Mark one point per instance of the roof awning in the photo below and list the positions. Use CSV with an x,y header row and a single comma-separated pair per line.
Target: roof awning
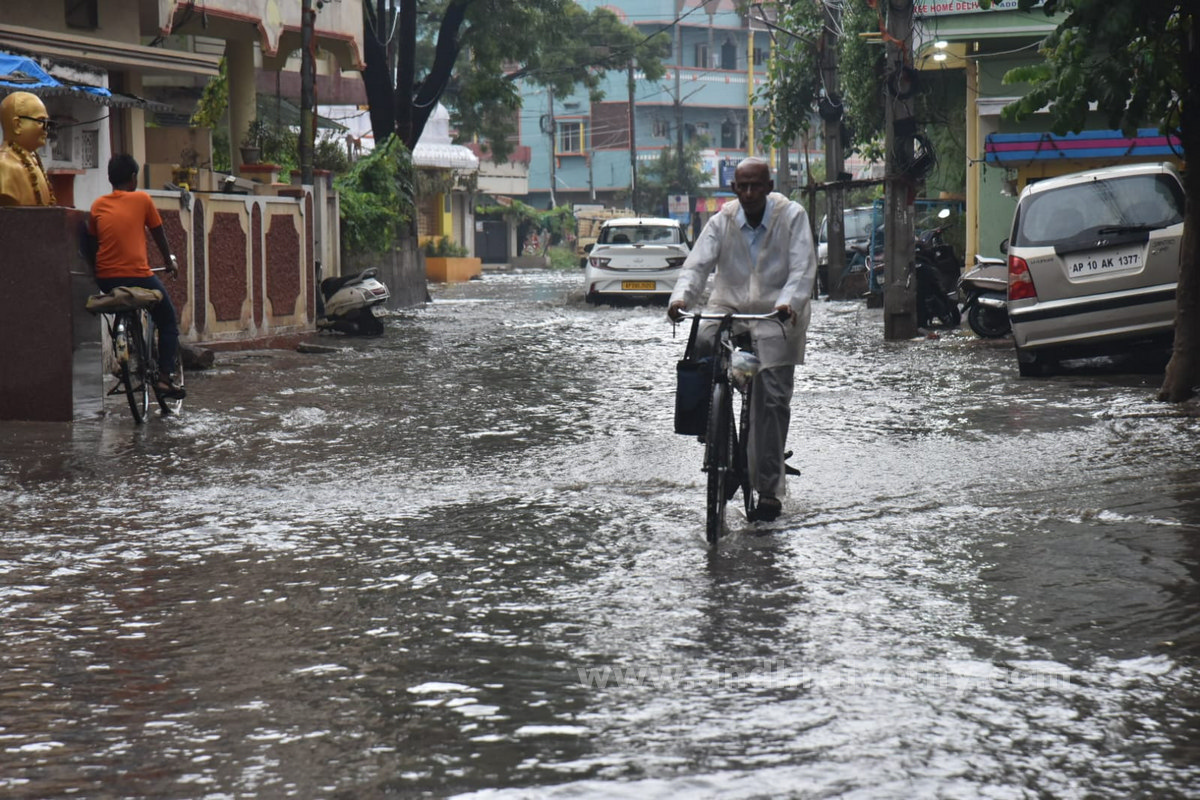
x,y
106,53
285,113
1014,149
444,156
21,74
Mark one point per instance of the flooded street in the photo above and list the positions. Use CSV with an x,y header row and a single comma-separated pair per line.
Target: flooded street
x,y
468,559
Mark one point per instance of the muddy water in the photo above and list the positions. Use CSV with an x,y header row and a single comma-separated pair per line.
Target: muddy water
x,y
467,558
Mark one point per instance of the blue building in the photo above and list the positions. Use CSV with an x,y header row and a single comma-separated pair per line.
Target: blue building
x,y
718,61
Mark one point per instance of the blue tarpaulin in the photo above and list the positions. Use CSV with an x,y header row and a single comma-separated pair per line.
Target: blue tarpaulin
x,y
21,74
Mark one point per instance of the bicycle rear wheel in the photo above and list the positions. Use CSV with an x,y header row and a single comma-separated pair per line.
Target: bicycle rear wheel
x,y
718,459
168,405
135,368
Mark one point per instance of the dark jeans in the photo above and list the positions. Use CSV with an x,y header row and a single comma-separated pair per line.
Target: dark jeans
x,y
163,315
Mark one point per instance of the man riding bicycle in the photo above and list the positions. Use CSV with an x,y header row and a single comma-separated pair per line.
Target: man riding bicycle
x,y
762,249
117,225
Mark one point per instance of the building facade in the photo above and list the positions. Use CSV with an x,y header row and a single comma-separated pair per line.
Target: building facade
x,y
980,47
717,63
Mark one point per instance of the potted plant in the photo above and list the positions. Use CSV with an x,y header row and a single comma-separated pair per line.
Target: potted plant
x,y
252,141
447,261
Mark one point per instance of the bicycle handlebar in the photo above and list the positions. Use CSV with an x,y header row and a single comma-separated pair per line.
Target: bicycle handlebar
x,y
769,316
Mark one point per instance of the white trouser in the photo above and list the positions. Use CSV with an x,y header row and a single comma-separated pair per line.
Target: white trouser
x,y
770,414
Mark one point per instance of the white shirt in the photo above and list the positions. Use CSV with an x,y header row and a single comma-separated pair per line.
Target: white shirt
x,y
757,270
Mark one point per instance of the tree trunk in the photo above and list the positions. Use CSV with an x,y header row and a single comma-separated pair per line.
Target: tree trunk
x,y
406,71
377,77
1183,371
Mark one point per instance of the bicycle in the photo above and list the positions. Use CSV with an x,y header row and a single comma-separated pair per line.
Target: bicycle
x,y
725,440
134,349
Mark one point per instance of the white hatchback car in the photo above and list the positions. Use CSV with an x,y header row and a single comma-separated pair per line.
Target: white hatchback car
x,y
635,258
1093,259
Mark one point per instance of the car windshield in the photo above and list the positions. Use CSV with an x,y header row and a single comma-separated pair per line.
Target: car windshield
x,y
640,234
858,223
1150,201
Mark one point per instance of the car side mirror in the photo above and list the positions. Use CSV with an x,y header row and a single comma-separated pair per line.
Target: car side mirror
x,y
587,248
1004,246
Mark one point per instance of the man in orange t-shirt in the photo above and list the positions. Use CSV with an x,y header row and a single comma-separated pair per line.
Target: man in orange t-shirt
x,y
118,225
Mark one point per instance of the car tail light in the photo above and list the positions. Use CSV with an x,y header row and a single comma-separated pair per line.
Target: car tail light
x,y
1020,282
599,262
676,261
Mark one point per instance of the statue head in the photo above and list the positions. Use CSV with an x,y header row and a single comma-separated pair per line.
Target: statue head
x,y
24,120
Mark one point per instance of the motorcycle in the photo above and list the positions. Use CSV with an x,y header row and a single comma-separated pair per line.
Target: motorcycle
x,y
937,267
353,304
984,289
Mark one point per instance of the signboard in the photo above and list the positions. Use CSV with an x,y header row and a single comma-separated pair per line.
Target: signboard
x,y
727,170
933,8
678,207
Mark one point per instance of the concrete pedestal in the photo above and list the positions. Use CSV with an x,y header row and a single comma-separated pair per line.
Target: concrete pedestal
x,y
50,357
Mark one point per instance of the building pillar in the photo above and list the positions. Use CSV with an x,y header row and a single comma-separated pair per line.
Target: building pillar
x,y
243,108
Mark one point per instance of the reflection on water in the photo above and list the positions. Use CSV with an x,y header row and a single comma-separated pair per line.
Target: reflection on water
x,y
467,558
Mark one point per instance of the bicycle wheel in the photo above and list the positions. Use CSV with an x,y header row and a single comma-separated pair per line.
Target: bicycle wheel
x,y
135,368
168,405
718,459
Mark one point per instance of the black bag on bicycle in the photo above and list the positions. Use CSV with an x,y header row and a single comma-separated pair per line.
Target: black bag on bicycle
x,y
693,387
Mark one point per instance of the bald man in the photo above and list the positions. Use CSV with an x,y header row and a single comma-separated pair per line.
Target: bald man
x,y
23,180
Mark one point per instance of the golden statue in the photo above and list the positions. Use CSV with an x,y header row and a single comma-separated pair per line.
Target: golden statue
x,y
23,180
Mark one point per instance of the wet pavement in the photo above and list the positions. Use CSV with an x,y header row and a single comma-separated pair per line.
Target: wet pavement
x,y
467,559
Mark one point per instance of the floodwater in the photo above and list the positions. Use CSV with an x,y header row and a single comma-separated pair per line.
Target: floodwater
x,y
467,559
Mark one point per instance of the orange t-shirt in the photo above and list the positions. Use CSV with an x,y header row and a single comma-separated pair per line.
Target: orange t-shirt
x,y
119,221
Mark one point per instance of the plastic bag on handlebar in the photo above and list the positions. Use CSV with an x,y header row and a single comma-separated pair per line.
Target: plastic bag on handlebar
x,y
123,298
693,386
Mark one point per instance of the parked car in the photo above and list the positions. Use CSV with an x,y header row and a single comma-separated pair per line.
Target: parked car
x,y
856,227
635,258
1093,259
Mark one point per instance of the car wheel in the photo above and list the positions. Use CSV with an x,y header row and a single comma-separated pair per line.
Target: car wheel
x,y
591,298
1036,364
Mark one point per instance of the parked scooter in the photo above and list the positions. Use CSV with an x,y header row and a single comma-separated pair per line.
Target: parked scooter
x,y
938,269
353,304
984,290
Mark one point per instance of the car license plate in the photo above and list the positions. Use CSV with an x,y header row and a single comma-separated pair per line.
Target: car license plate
x,y
379,310
1119,260
638,286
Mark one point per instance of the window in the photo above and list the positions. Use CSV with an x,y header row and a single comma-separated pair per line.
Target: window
x,y
729,55
760,56
570,136
729,131
83,14
661,129
702,59
89,149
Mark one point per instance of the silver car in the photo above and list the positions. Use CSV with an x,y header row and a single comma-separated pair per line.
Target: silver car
x,y
635,258
1093,260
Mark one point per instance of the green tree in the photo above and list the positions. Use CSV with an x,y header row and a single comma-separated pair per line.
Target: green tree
x,y
666,175
1138,62
793,84
376,198
474,53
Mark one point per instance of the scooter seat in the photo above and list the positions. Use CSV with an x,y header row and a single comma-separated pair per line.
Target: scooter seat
x,y
330,285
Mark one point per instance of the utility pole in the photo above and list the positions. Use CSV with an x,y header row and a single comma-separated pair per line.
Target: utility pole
x,y
899,290
553,131
831,113
308,100
632,144
679,165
